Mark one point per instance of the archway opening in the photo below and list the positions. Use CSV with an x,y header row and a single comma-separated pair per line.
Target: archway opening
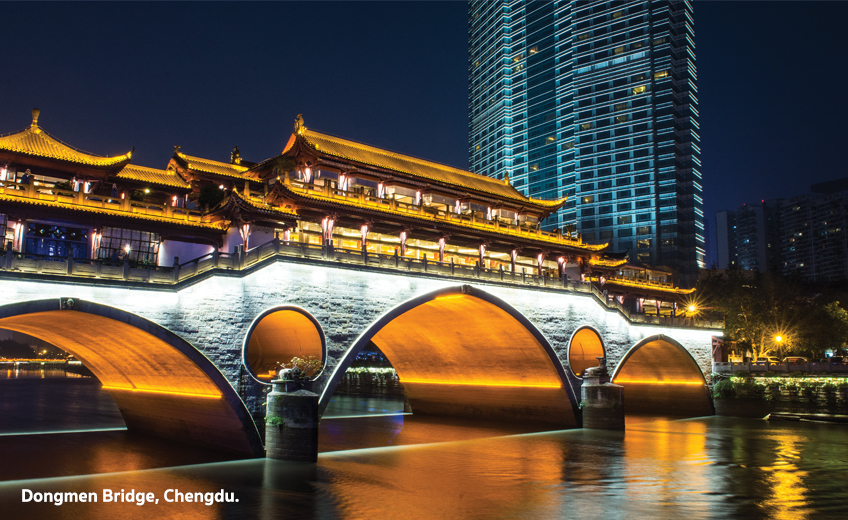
x,y
277,336
659,376
162,385
464,353
585,347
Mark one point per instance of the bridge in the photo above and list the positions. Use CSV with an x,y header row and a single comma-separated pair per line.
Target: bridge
x,y
183,349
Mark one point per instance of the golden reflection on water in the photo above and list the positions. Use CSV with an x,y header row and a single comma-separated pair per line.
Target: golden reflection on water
x,y
468,479
665,459
788,492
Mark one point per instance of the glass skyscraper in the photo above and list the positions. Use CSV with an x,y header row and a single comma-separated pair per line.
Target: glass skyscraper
x,y
596,101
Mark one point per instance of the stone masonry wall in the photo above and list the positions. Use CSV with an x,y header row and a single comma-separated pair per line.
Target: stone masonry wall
x,y
215,314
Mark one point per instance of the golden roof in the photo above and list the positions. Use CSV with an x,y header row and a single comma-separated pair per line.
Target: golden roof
x,y
362,153
382,208
153,176
215,167
607,262
35,141
648,284
218,226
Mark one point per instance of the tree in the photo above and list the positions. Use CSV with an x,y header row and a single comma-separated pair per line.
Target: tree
x,y
210,195
11,349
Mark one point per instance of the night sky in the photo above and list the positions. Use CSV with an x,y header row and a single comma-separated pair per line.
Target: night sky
x,y
208,77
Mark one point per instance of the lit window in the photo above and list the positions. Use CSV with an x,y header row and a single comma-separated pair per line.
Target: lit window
x,y
659,41
617,14
639,90
534,167
582,36
588,199
477,148
518,58
518,68
534,49
551,138
661,74
622,119
620,106
586,126
619,50
569,145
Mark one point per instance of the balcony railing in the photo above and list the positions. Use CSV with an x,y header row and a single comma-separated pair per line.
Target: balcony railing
x,y
766,367
43,192
242,260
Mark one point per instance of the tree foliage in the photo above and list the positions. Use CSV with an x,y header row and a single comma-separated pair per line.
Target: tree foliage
x,y
759,307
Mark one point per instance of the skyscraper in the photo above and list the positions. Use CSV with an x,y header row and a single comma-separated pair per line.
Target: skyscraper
x,y
595,101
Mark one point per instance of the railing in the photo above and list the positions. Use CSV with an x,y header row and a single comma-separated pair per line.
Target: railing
x,y
469,219
766,367
49,193
242,260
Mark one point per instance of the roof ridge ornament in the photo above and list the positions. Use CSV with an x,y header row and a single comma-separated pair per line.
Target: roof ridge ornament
x,y
35,113
299,125
506,178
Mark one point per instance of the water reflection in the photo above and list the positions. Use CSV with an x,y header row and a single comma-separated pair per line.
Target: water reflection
x,y
411,467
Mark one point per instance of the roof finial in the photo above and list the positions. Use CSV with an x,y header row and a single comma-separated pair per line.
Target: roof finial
x,y
299,126
235,156
506,178
35,113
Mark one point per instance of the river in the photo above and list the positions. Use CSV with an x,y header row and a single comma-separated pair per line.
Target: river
x,y
390,465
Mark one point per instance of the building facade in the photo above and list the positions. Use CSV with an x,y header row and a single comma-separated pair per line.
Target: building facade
x,y
803,235
597,102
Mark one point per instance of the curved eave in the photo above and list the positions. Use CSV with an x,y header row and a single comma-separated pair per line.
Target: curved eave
x,y
196,164
607,263
541,242
541,205
112,213
35,142
144,175
650,288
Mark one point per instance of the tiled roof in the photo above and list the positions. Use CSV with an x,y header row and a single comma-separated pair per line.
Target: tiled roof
x,y
36,142
353,151
215,167
153,176
218,226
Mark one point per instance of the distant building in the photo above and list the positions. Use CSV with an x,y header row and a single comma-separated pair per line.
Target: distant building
x,y
802,235
726,239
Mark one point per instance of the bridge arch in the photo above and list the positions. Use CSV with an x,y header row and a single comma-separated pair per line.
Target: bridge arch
x,y
584,347
277,335
464,352
660,376
162,384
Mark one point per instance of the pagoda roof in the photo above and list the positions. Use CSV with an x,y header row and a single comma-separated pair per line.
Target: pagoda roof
x,y
345,149
144,174
547,239
214,167
34,141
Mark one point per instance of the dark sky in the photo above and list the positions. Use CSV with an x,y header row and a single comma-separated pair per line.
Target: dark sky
x,y
108,77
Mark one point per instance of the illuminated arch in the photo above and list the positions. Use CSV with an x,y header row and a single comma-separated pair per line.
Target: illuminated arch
x,y
584,348
461,351
659,376
162,384
278,335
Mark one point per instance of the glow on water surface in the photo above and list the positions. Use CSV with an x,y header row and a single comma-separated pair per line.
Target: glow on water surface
x,y
660,468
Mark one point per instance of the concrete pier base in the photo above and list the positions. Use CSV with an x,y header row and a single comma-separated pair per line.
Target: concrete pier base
x,y
603,404
291,423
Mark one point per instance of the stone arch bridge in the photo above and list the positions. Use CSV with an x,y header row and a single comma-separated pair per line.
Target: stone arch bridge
x,y
172,355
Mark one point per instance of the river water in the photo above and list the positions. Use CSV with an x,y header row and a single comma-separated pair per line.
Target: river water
x,y
378,463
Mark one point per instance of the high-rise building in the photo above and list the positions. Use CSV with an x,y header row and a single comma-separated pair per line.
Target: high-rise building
x,y
726,239
595,101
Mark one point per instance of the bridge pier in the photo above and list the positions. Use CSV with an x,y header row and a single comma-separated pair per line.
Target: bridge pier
x,y
291,424
602,403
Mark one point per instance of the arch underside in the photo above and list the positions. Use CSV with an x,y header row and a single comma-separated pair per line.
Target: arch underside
x,y
661,377
277,338
584,349
162,385
460,355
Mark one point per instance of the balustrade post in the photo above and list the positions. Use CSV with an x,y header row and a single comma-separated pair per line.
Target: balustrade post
x,y
10,255
477,268
216,257
425,263
276,244
364,254
501,270
126,271
452,266
397,259
69,269
176,272
524,275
